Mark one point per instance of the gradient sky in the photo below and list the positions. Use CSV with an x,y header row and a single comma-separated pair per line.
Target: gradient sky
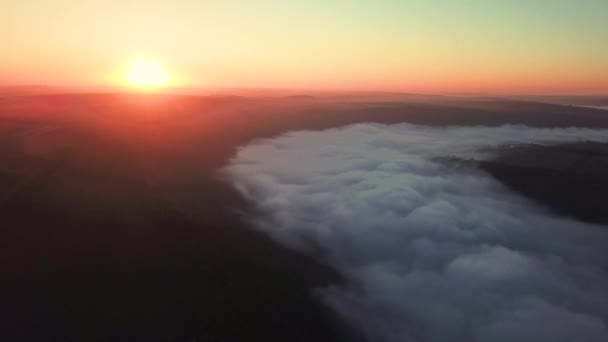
x,y
512,46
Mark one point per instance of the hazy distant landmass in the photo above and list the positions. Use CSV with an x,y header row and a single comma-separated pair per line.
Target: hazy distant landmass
x,y
591,101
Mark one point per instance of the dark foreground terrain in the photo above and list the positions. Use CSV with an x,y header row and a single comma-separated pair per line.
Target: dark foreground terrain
x,y
570,178
116,223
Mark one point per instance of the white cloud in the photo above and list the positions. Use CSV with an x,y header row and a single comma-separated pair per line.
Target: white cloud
x,y
431,251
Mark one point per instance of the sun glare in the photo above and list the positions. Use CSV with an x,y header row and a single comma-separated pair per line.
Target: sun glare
x,y
147,74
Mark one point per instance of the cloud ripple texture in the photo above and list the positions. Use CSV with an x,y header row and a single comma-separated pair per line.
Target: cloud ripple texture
x,y
429,250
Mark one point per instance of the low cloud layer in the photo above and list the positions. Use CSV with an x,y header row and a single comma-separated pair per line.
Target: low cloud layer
x,y
431,251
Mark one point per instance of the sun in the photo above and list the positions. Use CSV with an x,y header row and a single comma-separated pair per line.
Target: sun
x,y
147,74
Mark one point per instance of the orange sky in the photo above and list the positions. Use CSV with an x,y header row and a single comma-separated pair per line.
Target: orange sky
x,y
516,46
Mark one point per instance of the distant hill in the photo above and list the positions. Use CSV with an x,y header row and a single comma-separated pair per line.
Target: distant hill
x,y
26,90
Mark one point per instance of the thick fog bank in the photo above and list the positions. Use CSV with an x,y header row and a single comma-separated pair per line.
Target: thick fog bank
x,y
431,250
